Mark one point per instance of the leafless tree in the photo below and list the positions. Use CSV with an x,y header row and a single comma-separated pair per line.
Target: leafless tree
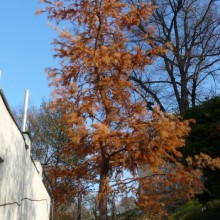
x,y
188,72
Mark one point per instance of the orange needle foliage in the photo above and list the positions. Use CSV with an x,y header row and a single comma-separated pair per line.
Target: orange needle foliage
x,y
109,129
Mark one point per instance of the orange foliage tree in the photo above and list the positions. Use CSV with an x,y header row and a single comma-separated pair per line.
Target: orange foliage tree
x,y
106,120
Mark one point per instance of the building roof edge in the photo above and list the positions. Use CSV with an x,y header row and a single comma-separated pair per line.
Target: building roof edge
x,y
9,109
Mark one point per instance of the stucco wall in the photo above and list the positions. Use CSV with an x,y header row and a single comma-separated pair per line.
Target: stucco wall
x,y
22,193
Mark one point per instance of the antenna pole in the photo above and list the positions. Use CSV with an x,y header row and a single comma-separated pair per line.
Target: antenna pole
x,y
25,111
0,74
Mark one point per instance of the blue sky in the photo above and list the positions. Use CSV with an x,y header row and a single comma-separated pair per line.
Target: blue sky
x,y
25,51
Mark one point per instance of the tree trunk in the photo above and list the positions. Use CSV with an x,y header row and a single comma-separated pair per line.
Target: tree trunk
x,y
194,92
103,189
103,200
184,94
79,207
113,209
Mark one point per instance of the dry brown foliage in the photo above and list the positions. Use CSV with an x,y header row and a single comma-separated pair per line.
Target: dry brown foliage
x,y
109,127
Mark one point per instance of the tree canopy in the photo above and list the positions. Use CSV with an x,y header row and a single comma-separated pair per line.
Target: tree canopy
x,y
124,148
189,71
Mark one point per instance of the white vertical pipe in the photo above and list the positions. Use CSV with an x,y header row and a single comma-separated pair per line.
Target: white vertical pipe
x,y
25,111
0,76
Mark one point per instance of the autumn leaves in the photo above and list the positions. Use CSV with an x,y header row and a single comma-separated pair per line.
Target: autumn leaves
x,y
105,118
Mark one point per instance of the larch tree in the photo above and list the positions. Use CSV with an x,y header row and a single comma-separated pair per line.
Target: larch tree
x,y
107,123
189,71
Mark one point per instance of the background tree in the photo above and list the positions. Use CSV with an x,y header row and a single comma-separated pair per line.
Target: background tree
x,y
49,142
106,123
189,71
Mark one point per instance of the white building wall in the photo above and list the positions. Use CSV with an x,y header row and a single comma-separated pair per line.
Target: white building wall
x,y
22,193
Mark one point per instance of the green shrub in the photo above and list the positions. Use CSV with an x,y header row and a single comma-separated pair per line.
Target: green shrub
x,y
188,208
193,210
